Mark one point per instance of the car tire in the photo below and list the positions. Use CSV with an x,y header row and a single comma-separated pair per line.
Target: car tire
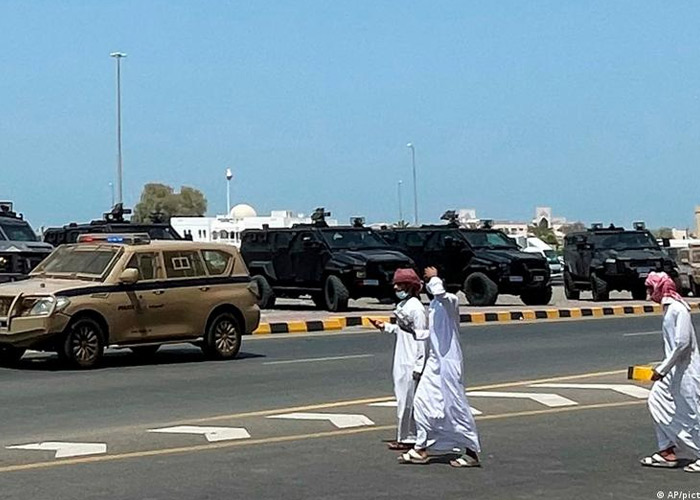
x,y
480,290
10,356
537,297
267,295
83,344
336,294
599,287
639,293
145,351
222,339
570,290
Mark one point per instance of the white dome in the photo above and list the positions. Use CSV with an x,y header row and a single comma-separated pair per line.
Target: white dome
x,y
241,211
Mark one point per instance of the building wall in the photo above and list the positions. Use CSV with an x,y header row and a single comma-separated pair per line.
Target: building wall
x,y
697,221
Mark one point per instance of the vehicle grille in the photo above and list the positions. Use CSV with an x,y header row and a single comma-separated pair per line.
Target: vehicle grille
x,y
529,270
5,303
384,272
22,263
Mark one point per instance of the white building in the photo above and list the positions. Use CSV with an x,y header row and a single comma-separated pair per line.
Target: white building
x,y
228,228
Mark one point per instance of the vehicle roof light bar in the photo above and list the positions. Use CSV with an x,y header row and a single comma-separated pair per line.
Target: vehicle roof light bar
x,y
120,239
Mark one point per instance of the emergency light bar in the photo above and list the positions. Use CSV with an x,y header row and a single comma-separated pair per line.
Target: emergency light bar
x,y
124,239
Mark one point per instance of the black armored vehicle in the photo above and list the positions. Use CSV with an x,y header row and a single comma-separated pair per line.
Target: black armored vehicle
x,y
604,259
483,263
331,264
112,222
20,249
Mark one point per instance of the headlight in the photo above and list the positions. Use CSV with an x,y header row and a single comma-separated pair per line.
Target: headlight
x,y
361,274
42,306
610,261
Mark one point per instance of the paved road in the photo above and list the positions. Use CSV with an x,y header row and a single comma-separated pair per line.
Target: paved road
x,y
301,309
585,448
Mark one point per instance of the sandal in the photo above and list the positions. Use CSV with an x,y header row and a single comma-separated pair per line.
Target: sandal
x,y
413,457
694,467
657,460
398,446
465,461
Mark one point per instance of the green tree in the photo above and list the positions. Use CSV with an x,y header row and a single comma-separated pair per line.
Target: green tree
x,y
545,233
160,198
663,232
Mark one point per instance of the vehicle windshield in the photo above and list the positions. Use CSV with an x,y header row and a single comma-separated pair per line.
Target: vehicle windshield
x,y
17,231
695,256
489,239
633,240
352,239
72,261
551,256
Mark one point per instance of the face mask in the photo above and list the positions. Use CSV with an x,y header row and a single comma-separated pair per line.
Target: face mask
x,y
402,294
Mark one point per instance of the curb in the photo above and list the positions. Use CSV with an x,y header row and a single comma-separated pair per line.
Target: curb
x,y
341,323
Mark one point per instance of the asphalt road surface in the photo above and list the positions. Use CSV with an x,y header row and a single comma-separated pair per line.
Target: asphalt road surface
x,y
305,416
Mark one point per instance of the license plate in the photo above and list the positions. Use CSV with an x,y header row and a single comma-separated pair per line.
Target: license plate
x,y
370,282
643,271
539,278
643,275
516,279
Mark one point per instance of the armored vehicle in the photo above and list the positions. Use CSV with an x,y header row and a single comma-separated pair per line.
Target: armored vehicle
x,y
604,259
483,263
112,222
331,264
20,249
688,261
129,291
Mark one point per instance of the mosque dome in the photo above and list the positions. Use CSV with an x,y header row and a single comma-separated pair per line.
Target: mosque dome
x,y
242,211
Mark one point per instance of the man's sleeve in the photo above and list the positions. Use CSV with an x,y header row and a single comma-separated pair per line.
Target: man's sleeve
x,y
420,322
682,331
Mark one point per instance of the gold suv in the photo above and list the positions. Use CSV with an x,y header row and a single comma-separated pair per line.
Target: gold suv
x,y
128,291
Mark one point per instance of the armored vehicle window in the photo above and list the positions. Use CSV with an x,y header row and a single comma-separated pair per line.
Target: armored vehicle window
x,y
78,260
413,238
283,239
183,264
340,239
17,231
695,256
216,261
489,239
146,263
636,240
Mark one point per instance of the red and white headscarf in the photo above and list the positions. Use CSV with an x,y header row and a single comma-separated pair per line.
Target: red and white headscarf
x,y
661,286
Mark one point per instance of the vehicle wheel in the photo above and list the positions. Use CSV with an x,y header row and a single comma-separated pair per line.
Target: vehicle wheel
x,y
480,290
336,294
570,289
83,344
537,297
145,351
10,356
222,339
267,296
639,293
599,287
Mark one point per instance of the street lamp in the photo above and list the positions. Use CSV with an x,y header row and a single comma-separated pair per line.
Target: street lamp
x,y
111,188
229,176
415,185
400,204
120,191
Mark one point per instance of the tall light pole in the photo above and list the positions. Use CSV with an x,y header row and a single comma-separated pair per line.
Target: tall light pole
x,y
120,190
400,203
111,188
229,176
415,184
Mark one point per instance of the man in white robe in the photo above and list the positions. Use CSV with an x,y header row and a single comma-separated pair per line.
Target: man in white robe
x,y
444,419
409,354
674,399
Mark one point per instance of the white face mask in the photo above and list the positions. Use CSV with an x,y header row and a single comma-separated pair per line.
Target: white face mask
x,y
402,294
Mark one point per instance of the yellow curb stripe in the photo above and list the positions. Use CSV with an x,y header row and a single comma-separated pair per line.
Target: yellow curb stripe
x,y
333,324
478,317
504,316
263,329
529,315
597,312
552,314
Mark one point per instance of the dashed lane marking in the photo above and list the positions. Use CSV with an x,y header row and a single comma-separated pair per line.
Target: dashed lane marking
x,y
394,404
627,389
546,399
312,360
340,420
212,434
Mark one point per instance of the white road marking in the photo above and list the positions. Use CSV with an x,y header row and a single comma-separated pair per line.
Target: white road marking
x,y
394,404
212,434
340,420
546,399
627,389
311,360
640,334
64,450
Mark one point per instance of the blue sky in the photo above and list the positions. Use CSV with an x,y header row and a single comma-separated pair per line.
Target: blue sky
x,y
591,107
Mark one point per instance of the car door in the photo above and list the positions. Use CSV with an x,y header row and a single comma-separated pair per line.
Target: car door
x,y
307,252
138,304
186,278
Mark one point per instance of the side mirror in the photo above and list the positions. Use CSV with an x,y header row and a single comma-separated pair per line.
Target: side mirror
x,y
129,276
